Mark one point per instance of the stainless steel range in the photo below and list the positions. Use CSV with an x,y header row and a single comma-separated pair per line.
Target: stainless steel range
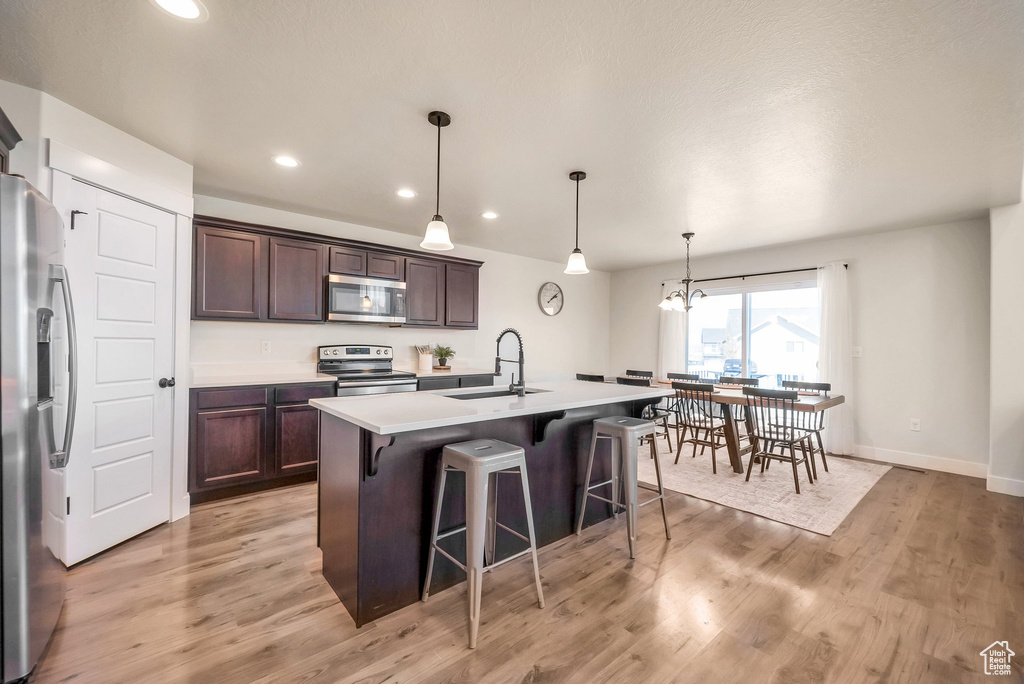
x,y
364,369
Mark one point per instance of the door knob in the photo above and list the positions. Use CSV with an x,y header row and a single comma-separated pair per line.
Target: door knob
x,y
166,382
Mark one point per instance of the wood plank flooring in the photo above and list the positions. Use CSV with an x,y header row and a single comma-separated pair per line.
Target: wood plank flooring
x,y
925,573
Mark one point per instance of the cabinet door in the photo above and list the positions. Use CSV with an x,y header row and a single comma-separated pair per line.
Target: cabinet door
x,y
296,280
345,261
424,294
229,447
476,381
462,284
428,384
228,275
387,266
298,438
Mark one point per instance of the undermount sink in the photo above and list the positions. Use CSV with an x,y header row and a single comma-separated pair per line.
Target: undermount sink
x,y
490,394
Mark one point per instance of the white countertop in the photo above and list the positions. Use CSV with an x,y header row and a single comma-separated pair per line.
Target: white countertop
x,y
388,414
261,379
455,371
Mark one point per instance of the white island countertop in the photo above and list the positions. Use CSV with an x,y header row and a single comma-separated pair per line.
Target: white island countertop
x,y
388,414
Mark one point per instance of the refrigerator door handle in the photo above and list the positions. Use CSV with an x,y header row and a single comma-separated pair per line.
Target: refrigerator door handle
x,y
59,273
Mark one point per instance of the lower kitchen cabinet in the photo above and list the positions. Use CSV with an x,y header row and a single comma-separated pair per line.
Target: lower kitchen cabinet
x,y
244,439
453,382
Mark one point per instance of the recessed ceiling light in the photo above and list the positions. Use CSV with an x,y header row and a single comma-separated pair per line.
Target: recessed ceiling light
x,y
406,192
489,215
189,10
283,160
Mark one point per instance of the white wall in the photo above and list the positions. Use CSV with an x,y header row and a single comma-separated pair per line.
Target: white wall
x,y
39,116
1006,429
920,300
556,347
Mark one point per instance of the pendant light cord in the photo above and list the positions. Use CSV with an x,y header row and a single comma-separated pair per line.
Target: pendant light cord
x,y
577,213
437,192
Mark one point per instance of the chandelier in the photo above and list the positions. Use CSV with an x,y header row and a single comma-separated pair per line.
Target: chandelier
x,y
681,299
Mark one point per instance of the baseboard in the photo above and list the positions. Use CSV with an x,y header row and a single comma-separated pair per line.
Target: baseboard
x,y
905,458
1005,485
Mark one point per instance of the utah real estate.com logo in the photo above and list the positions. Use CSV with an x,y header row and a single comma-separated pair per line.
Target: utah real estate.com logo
x,y
997,658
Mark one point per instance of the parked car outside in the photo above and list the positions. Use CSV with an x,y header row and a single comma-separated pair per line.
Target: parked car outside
x,y
734,367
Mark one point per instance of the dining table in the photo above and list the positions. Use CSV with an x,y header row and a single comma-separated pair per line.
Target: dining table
x,y
732,395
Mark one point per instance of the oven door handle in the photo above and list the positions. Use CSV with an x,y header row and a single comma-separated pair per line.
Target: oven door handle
x,y
372,383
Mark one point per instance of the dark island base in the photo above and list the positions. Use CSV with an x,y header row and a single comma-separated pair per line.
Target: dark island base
x,y
376,496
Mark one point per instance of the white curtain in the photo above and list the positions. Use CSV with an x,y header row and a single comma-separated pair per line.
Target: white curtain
x,y
835,355
671,337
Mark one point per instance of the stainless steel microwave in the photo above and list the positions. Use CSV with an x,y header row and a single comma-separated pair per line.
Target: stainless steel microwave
x,y
365,300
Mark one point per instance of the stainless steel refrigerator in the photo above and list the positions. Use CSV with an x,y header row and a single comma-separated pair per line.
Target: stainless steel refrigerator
x,y
37,403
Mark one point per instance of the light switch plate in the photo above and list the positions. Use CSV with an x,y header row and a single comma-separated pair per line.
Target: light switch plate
x,y
858,352
915,424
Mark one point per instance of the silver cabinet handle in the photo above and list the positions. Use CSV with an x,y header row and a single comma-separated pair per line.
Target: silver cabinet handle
x,y
60,458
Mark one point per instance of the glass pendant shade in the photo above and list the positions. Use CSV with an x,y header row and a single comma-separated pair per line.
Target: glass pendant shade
x,y
577,263
678,303
666,304
436,238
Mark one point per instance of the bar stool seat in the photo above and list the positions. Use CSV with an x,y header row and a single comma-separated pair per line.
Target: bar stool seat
x,y
625,434
482,460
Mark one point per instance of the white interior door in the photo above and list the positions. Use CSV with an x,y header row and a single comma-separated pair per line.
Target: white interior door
x,y
120,261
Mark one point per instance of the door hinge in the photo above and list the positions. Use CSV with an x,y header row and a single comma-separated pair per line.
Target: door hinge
x,y
69,505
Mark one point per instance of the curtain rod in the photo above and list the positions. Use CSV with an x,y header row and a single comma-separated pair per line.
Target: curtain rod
x,y
752,275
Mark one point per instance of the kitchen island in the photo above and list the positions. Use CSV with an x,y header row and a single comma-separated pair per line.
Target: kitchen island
x,y
379,468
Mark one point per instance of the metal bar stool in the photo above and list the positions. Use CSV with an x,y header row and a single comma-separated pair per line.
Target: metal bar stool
x,y
625,435
482,460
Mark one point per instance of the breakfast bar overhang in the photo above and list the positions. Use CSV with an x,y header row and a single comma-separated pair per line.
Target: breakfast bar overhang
x,y
379,469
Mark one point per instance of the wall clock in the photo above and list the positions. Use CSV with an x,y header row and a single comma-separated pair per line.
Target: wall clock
x,y
550,299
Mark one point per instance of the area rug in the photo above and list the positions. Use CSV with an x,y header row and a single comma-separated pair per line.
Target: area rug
x,y
820,507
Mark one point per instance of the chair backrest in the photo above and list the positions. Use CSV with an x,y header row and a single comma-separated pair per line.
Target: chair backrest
x,y
639,374
589,378
819,387
636,382
696,407
688,377
736,380
771,415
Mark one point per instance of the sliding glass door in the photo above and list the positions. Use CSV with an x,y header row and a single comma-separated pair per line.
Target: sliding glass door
x,y
769,334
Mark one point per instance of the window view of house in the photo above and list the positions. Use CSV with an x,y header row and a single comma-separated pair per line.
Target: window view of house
x,y
779,342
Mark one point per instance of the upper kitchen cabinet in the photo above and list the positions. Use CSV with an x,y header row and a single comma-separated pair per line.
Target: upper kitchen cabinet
x,y
296,280
229,275
249,272
345,261
424,294
462,287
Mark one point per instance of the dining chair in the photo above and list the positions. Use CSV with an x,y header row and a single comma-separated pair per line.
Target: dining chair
x,y
736,380
585,377
697,414
659,415
738,413
673,403
684,377
813,422
773,425
639,374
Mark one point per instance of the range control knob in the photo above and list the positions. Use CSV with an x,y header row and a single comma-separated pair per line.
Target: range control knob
x,y
334,351
378,352
386,352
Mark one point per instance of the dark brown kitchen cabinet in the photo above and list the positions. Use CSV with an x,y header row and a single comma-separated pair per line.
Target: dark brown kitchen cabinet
x,y
345,261
424,294
229,278
230,446
298,438
461,286
243,439
385,266
296,280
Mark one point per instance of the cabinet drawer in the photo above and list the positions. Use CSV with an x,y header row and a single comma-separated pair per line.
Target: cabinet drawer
x,y
386,266
227,398
476,381
300,394
345,261
426,384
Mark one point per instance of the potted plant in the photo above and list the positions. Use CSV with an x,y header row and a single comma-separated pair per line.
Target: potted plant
x,y
443,354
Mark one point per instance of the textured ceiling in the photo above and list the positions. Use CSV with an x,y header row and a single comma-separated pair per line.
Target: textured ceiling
x,y
749,123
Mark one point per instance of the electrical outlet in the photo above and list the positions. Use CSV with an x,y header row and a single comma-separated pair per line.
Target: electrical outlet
x,y
266,346
858,352
915,424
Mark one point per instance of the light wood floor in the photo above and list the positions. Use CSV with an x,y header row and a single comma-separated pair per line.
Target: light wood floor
x,y
927,571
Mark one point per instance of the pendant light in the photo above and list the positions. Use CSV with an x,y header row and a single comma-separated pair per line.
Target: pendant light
x,y
436,237
681,299
577,263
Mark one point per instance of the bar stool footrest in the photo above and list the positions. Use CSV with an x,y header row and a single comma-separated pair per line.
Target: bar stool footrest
x,y
511,531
